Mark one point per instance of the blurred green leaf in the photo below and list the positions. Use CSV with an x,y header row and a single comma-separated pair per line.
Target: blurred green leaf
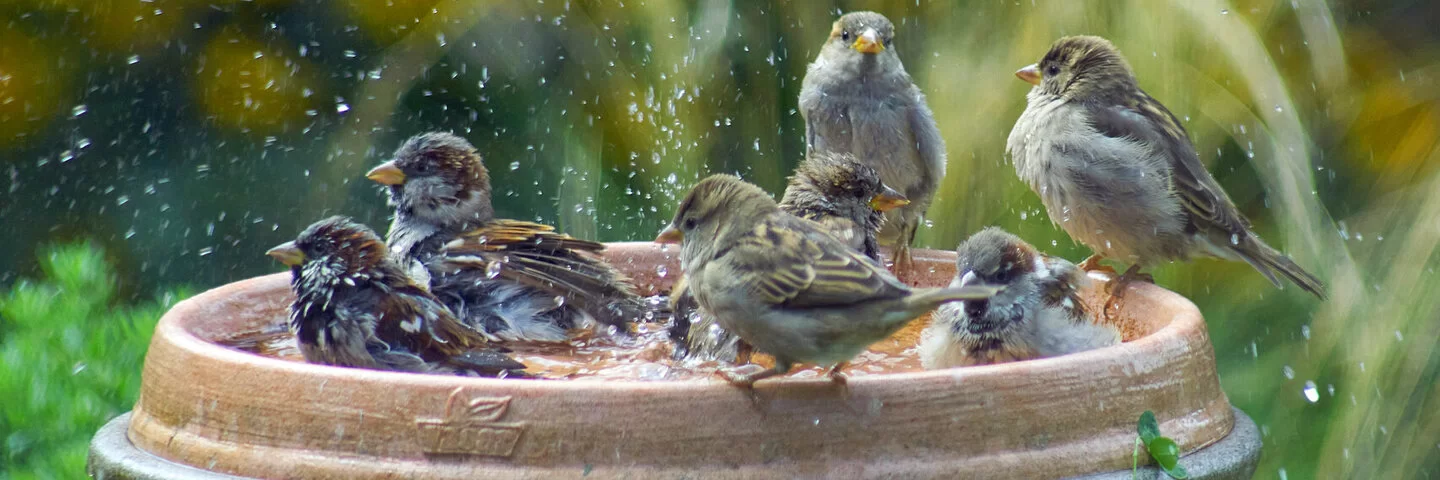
x,y
76,358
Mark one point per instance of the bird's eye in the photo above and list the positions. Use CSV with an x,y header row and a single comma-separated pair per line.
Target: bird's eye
x,y
845,35
689,224
889,41
1052,70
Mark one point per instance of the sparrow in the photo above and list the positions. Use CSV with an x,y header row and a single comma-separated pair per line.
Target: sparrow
x,y
837,191
513,279
355,307
1116,170
1039,314
785,285
857,98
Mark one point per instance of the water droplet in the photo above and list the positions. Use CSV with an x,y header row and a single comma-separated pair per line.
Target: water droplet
x,y
1311,393
1305,331
559,300
1289,372
79,110
514,166
492,270
134,59
1278,109
1226,11
661,270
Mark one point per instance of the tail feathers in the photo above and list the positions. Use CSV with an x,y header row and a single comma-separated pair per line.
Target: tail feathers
x,y
928,299
1269,262
488,363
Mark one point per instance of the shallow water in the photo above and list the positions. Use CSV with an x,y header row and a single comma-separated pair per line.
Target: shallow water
x,y
645,354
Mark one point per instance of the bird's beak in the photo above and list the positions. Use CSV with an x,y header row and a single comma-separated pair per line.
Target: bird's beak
x,y
888,199
869,42
386,174
1030,74
670,235
287,253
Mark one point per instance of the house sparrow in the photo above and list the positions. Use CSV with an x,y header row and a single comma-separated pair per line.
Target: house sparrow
x,y
835,190
1118,173
786,286
355,307
846,196
858,99
513,279
1038,315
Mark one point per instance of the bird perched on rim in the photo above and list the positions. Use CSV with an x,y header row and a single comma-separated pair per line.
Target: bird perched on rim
x,y
1116,170
516,280
355,307
836,190
786,286
858,99
1039,314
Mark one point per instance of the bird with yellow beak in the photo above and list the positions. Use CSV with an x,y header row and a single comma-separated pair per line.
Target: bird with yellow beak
x,y
858,100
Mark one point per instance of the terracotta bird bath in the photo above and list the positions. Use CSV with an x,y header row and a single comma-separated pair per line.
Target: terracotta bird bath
x,y
209,411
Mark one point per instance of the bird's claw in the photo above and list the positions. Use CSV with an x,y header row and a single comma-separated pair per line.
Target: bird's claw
x,y
1092,264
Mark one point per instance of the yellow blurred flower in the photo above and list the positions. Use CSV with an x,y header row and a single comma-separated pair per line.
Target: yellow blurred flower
x,y
244,85
386,21
32,87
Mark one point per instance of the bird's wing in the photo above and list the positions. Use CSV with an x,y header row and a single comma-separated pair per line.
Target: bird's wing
x,y
534,254
928,141
789,261
411,319
1063,284
1146,120
844,230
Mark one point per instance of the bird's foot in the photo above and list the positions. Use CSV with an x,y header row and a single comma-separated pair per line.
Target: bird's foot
x,y
746,380
901,263
838,376
1092,264
839,379
1118,285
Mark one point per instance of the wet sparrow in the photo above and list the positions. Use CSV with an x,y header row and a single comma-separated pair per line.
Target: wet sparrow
x,y
786,286
1116,170
355,307
513,279
858,99
1037,315
835,190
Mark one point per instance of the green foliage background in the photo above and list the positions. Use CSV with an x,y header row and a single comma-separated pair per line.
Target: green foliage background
x,y
73,355
185,137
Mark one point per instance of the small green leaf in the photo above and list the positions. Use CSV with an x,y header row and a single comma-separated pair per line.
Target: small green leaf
x,y
1149,428
1178,473
1164,451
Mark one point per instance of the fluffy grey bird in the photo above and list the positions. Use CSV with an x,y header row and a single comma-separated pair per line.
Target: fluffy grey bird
x,y
1116,170
786,286
837,191
858,99
354,307
513,279
1037,315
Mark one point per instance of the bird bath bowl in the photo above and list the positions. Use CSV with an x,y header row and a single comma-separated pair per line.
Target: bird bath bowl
x,y
208,411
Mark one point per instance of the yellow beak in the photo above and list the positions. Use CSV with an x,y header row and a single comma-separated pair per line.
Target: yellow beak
x,y
287,253
869,42
386,174
670,235
1030,74
887,200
